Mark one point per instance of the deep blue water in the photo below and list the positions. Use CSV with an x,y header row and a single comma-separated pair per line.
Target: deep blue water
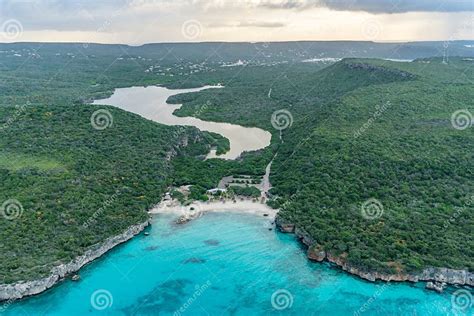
x,y
225,264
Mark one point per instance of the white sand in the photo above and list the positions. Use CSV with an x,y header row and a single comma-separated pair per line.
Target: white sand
x,y
246,206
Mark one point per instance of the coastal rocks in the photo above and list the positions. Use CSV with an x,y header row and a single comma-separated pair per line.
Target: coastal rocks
x,y
439,277
304,237
461,277
316,253
22,289
27,288
190,213
283,226
183,219
436,286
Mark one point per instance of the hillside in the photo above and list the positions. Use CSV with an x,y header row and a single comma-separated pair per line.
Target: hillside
x,y
362,129
367,129
68,185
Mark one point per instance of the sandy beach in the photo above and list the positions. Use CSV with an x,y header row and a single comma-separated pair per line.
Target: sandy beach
x,y
245,206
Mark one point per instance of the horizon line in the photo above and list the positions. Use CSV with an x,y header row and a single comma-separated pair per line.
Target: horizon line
x,y
242,42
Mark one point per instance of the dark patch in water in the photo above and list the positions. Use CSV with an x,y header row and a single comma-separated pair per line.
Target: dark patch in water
x,y
128,255
194,260
151,248
212,242
166,298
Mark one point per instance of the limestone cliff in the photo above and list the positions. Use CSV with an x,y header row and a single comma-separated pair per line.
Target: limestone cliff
x,y
26,288
434,274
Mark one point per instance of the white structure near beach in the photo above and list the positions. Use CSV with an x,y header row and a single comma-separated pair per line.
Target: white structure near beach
x,y
216,190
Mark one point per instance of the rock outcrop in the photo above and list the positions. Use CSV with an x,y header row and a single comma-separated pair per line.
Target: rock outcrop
x,y
438,276
316,253
284,226
26,288
386,70
435,286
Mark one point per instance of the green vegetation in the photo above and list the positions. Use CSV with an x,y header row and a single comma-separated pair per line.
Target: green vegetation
x,y
95,185
78,185
175,194
245,191
220,143
372,129
16,162
197,192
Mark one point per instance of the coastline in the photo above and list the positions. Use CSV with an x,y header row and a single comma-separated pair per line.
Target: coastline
x,y
19,290
441,276
22,289
196,208
15,291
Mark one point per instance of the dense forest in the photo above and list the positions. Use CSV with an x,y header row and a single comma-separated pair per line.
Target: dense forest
x,y
370,130
362,129
77,185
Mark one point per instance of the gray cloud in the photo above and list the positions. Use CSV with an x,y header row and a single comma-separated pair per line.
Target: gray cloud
x,y
260,24
252,23
138,21
374,6
64,15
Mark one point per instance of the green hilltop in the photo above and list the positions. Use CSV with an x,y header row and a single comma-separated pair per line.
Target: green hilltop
x,y
361,129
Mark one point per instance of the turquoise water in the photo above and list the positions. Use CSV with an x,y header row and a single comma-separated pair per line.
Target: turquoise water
x,y
224,264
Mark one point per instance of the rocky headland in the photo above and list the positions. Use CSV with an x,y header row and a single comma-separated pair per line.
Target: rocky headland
x,y
14,291
437,278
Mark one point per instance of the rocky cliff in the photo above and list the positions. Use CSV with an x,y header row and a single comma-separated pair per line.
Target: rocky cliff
x,y
316,253
26,288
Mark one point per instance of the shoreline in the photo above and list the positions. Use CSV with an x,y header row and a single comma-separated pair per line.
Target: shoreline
x,y
197,207
439,276
19,290
22,289
155,105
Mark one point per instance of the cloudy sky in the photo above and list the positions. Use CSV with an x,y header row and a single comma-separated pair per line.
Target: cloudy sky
x,y
143,21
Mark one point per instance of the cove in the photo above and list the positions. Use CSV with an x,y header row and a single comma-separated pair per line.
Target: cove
x,y
224,264
150,103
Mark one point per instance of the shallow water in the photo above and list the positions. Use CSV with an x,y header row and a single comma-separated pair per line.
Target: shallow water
x,y
150,103
224,264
